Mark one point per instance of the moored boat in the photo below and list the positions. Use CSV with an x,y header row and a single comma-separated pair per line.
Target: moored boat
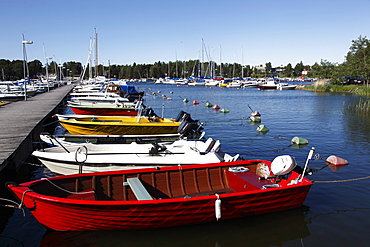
x,y
114,109
145,124
3,103
161,197
269,84
89,157
285,86
67,140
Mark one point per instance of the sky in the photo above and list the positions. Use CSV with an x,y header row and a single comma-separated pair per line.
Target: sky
x,y
249,32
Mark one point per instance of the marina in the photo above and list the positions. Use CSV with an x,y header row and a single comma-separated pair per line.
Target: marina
x,y
338,196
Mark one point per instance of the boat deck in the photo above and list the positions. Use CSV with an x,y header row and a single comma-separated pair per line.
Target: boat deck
x,y
20,119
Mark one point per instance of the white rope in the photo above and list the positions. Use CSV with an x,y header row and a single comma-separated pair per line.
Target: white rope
x,y
13,206
82,192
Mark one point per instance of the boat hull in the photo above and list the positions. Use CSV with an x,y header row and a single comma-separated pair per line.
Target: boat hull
x,y
104,111
123,128
64,214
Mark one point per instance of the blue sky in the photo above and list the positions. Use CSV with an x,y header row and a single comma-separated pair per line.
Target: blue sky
x,y
147,31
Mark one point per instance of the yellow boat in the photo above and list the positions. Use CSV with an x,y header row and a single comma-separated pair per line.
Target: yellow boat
x,y
3,103
104,125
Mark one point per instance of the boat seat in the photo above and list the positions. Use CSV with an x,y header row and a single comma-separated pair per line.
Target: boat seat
x,y
138,188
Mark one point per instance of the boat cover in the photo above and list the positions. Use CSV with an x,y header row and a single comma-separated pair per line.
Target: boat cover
x,y
128,88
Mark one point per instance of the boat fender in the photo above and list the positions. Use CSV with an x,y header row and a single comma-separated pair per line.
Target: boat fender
x,y
218,207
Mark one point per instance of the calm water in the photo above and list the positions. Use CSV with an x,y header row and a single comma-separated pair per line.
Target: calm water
x,y
334,214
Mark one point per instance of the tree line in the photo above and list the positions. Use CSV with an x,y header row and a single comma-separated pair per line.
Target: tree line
x,y
356,65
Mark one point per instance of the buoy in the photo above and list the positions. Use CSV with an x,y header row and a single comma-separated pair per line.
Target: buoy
x,y
216,107
195,102
224,111
299,140
185,100
171,92
163,95
218,207
336,161
159,92
262,128
169,98
208,104
255,118
255,114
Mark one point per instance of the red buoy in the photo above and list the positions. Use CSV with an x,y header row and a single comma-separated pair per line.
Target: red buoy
x,y
195,102
336,161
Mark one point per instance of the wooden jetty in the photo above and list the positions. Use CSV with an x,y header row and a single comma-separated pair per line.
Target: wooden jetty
x,y
21,123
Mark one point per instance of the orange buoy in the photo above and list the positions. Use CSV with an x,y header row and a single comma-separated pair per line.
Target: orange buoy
x,y
169,98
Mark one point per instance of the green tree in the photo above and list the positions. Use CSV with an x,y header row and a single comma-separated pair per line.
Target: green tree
x,y
298,69
358,58
288,70
268,67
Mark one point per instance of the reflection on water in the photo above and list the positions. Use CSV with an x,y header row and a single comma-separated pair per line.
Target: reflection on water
x,y
252,231
318,117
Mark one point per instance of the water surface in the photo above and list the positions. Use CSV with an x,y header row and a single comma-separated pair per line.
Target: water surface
x,y
335,213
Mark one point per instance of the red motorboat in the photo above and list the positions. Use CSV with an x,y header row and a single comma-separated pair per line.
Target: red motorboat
x,y
162,197
104,110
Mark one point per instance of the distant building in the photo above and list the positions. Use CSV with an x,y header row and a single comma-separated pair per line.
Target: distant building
x,y
277,70
304,72
260,69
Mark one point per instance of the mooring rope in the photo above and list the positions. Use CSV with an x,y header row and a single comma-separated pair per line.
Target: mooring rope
x,y
82,192
50,123
344,180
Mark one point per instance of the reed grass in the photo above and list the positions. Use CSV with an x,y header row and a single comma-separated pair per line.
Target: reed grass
x,y
362,108
360,90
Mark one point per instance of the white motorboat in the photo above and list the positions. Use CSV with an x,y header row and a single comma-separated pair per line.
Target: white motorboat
x,y
285,86
109,157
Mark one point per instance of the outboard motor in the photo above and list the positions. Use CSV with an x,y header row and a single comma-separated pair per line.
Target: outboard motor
x,y
189,127
182,116
283,165
149,112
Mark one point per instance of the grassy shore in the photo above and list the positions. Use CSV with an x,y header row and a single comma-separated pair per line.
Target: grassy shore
x,y
360,90
362,107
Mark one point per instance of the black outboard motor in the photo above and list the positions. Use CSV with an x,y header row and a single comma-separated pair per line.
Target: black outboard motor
x,y
188,128
149,112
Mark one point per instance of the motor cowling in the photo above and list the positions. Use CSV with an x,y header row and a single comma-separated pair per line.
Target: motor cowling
x,y
283,164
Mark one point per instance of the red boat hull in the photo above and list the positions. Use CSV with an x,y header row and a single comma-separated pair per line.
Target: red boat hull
x,y
104,111
63,214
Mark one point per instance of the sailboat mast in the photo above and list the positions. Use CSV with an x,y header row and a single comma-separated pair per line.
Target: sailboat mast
x,y
177,71
202,64
220,63
90,59
96,54
242,63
